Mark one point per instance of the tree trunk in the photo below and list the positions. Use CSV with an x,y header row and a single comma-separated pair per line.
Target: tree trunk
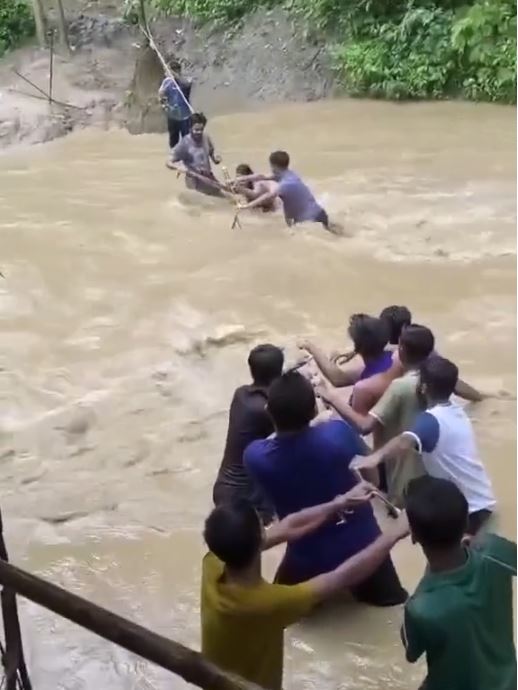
x,y
62,26
40,21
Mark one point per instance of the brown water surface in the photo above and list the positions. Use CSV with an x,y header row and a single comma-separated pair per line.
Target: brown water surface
x,y
127,312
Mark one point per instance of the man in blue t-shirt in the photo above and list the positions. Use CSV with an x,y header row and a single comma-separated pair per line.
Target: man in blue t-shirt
x,y
303,466
175,96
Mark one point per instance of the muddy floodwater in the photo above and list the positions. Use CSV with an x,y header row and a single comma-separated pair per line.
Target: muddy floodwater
x,y
127,311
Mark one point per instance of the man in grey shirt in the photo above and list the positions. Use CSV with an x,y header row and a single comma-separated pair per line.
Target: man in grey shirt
x,y
196,151
298,201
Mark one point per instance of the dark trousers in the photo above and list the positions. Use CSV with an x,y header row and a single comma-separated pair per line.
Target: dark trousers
x,y
177,129
322,218
382,588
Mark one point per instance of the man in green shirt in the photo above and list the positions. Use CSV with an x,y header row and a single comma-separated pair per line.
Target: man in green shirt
x,y
461,614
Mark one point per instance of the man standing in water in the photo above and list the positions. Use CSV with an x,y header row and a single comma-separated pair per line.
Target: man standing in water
x,y
396,410
461,614
303,466
298,202
175,95
248,421
243,617
196,151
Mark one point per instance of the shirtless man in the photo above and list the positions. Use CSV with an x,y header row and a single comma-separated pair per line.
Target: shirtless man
x,y
254,190
298,202
195,152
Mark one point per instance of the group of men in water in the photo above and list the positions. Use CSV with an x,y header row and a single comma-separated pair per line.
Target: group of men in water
x,y
296,462
192,153
295,452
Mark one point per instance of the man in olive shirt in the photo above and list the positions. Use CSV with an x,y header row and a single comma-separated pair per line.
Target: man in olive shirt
x,y
243,617
461,614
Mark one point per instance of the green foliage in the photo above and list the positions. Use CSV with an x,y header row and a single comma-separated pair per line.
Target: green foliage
x,y
400,49
434,52
484,38
410,59
16,23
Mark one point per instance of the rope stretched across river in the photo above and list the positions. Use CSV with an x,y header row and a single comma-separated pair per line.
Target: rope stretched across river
x,y
144,27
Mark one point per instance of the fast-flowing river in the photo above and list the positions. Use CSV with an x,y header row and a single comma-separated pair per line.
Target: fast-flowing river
x,y
127,312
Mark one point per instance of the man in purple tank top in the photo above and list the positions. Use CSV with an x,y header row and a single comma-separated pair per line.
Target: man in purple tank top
x,y
298,202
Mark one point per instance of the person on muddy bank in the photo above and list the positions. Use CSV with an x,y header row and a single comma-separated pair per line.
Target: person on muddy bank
x,y
195,153
248,421
298,202
175,94
243,617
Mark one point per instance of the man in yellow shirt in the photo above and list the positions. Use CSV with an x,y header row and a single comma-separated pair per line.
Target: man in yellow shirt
x,y
243,617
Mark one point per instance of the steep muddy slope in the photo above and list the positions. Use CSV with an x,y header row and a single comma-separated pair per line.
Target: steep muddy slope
x,y
110,78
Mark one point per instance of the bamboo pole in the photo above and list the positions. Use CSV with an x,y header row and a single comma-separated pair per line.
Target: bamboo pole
x,y
190,665
51,64
40,21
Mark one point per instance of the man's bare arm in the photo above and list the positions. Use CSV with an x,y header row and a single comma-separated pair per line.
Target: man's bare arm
x,y
361,565
338,377
467,392
364,423
260,200
254,177
393,449
304,522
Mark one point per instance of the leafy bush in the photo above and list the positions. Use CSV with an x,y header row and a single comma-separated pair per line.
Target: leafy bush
x,y
16,23
434,53
484,38
412,59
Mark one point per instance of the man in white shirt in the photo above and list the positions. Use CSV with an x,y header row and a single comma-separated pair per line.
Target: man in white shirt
x,y
444,436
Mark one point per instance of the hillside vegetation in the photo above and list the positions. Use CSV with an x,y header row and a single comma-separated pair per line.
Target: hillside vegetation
x,y
397,49
401,48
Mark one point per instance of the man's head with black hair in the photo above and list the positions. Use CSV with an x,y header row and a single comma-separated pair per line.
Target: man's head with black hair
x,y
265,363
279,163
437,379
437,513
416,344
291,402
396,318
369,335
198,124
234,533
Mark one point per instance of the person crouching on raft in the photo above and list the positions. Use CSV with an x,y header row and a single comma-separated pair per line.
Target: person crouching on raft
x,y
298,202
196,151
254,190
